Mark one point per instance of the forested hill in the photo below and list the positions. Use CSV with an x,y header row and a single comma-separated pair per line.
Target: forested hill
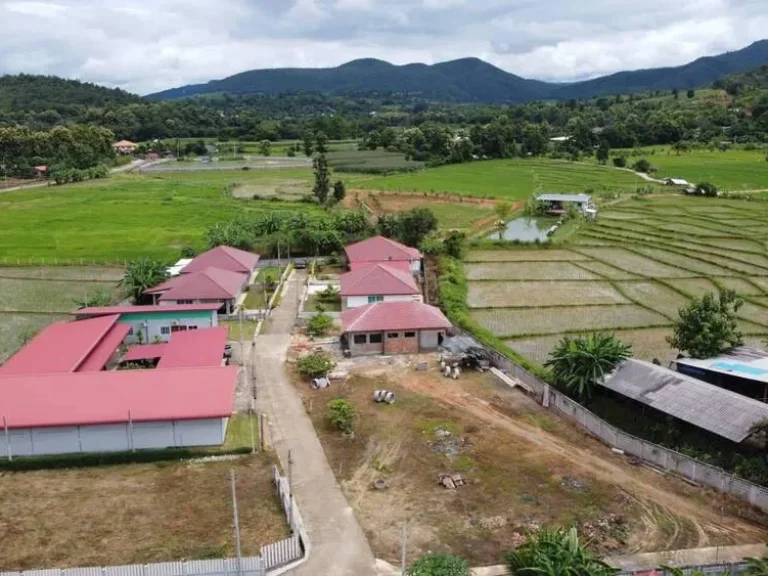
x,y
469,80
734,84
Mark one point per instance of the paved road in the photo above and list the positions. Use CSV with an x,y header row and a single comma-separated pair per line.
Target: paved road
x,y
338,544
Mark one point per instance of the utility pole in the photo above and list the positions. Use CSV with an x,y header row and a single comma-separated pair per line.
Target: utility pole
x,y
237,524
250,425
7,439
290,490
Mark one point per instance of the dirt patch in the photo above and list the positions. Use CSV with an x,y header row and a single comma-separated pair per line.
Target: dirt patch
x,y
135,514
523,467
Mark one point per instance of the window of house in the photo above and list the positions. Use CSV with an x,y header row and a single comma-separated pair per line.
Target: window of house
x,y
391,335
191,327
184,301
374,338
165,329
373,299
360,339
410,334
179,328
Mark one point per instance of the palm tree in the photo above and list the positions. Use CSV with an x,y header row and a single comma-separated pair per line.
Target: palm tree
x,y
503,210
757,566
143,274
555,552
580,363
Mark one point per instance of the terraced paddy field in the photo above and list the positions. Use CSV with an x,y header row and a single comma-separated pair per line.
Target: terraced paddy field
x,y
629,272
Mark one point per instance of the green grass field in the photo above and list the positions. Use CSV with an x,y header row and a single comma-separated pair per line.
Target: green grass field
x,y
732,170
371,161
510,179
127,216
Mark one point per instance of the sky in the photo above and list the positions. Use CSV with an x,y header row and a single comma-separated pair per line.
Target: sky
x,y
152,45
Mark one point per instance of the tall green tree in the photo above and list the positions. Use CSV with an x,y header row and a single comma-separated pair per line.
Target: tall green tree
x,y
143,274
265,148
339,191
555,552
321,143
603,152
322,178
580,363
308,143
707,326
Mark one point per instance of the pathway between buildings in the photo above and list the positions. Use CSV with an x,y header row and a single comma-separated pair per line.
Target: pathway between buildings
x,y
338,544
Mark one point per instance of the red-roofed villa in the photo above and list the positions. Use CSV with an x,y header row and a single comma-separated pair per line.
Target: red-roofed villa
x,y
378,283
393,328
381,250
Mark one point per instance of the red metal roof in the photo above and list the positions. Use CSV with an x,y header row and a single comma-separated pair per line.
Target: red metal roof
x,y
69,399
104,350
403,265
204,347
383,316
378,279
380,249
66,347
225,258
107,310
208,284
144,352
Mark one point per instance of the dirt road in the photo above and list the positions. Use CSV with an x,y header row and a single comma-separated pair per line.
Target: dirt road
x,y
687,521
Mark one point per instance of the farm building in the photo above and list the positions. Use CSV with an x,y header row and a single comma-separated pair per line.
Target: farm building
x,y
381,250
559,203
742,370
125,147
393,328
378,283
676,182
62,392
694,401
156,323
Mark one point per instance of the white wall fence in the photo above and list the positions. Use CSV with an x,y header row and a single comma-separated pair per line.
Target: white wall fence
x,y
729,568
664,458
274,559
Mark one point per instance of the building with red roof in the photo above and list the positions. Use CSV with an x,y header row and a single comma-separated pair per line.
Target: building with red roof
x,y
224,258
381,250
157,323
378,283
210,285
63,391
393,328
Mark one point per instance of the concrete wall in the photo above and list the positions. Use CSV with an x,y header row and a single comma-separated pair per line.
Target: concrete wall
x,y
365,349
151,324
428,339
397,343
114,437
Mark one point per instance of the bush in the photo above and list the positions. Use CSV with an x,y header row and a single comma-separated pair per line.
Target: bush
x,y
342,414
438,565
707,189
314,365
619,161
642,165
319,324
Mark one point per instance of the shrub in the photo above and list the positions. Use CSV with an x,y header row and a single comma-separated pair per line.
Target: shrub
x,y
438,565
342,414
642,165
314,365
707,189
319,324
619,161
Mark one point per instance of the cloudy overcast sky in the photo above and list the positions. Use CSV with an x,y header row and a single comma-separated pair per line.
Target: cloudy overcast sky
x,y
152,45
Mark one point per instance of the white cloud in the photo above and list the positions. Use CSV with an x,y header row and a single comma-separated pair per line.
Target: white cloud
x,y
151,46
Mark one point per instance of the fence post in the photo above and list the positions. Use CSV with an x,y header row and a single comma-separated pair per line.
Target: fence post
x,y
694,470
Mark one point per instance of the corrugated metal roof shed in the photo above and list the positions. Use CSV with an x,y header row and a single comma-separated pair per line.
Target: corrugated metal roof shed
x,y
552,197
717,410
744,362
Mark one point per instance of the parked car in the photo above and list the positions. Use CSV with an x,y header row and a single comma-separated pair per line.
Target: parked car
x,y
300,264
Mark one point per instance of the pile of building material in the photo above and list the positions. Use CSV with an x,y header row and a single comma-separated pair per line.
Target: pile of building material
x,y
451,481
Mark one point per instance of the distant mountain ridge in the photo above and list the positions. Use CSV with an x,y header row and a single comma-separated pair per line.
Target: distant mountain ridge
x,y
469,80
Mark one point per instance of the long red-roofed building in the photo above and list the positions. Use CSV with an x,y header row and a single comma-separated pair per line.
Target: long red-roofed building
x,y
393,328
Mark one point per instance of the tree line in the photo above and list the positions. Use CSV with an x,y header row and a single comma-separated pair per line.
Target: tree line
x,y
78,147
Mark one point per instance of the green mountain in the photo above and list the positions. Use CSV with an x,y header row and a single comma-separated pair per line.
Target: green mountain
x,y
29,93
468,80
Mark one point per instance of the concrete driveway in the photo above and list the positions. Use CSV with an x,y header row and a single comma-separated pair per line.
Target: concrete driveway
x,y
338,544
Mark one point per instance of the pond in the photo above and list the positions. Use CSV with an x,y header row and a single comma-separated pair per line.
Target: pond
x,y
525,229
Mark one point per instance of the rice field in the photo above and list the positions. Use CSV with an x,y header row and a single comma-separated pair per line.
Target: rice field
x,y
640,262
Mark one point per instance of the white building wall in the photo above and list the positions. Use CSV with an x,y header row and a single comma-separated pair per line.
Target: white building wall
x,y
114,437
415,266
153,328
357,301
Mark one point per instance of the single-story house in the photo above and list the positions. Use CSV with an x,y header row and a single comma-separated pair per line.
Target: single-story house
x,y
210,285
156,323
393,328
743,370
381,250
711,408
378,283
559,203
125,147
60,393
223,258
40,171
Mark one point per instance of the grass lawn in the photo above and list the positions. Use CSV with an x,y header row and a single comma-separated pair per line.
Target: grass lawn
x,y
313,301
234,332
135,514
239,431
730,170
511,179
127,216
